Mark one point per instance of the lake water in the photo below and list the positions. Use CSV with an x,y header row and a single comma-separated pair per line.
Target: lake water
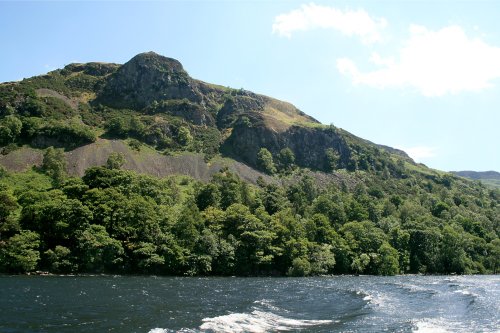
x,y
322,304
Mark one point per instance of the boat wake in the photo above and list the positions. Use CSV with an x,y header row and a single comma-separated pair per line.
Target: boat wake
x,y
430,327
256,321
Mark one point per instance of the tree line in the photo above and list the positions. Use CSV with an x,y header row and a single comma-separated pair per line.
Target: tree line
x,y
117,221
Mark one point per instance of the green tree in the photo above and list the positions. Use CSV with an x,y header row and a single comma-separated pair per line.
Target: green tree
x,y
452,253
302,193
188,225
208,196
300,267
137,127
360,263
60,260
115,160
274,198
54,165
493,256
319,230
400,239
19,254
424,250
147,259
356,211
10,129
330,207
184,136
97,251
286,159
117,127
56,218
291,239
32,107
364,239
332,159
14,124
254,251
6,136
265,161
439,208
388,260
229,187
321,258
8,205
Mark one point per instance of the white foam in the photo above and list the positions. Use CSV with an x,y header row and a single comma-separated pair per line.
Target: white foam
x,y
268,305
428,327
416,288
377,299
158,330
256,322
164,330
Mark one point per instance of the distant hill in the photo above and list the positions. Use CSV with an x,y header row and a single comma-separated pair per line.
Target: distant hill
x,y
489,178
478,174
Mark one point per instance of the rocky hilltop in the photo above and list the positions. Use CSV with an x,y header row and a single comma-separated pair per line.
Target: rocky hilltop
x,y
151,97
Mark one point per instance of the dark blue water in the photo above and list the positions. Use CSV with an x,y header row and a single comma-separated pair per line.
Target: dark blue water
x,y
324,304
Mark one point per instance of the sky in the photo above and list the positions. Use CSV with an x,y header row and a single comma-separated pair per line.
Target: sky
x,y
422,76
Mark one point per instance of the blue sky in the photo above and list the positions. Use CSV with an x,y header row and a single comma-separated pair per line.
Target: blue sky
x,y
423,76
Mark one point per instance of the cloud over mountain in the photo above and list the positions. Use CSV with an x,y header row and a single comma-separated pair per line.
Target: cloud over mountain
x,y
435,63
349,22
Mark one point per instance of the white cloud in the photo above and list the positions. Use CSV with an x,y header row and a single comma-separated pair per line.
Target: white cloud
x,y
420,153
436,63
349,22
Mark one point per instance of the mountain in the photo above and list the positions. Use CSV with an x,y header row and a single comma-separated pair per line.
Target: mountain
x,y
489,178
140,168
80,97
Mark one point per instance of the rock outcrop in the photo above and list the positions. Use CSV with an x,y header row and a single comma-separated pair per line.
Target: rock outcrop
x,y
309,144
146,78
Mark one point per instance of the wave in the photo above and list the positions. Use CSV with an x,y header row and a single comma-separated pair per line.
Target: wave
x,y
429,327
268,305
257,322
254,322
440,326
374,298
470,296
166,330
464,292
417,289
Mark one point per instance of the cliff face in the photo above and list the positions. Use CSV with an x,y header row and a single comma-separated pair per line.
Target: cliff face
x,y
308,144
258,121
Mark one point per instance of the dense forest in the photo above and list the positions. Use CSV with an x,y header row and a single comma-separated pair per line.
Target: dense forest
x,y
118,221
325,201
